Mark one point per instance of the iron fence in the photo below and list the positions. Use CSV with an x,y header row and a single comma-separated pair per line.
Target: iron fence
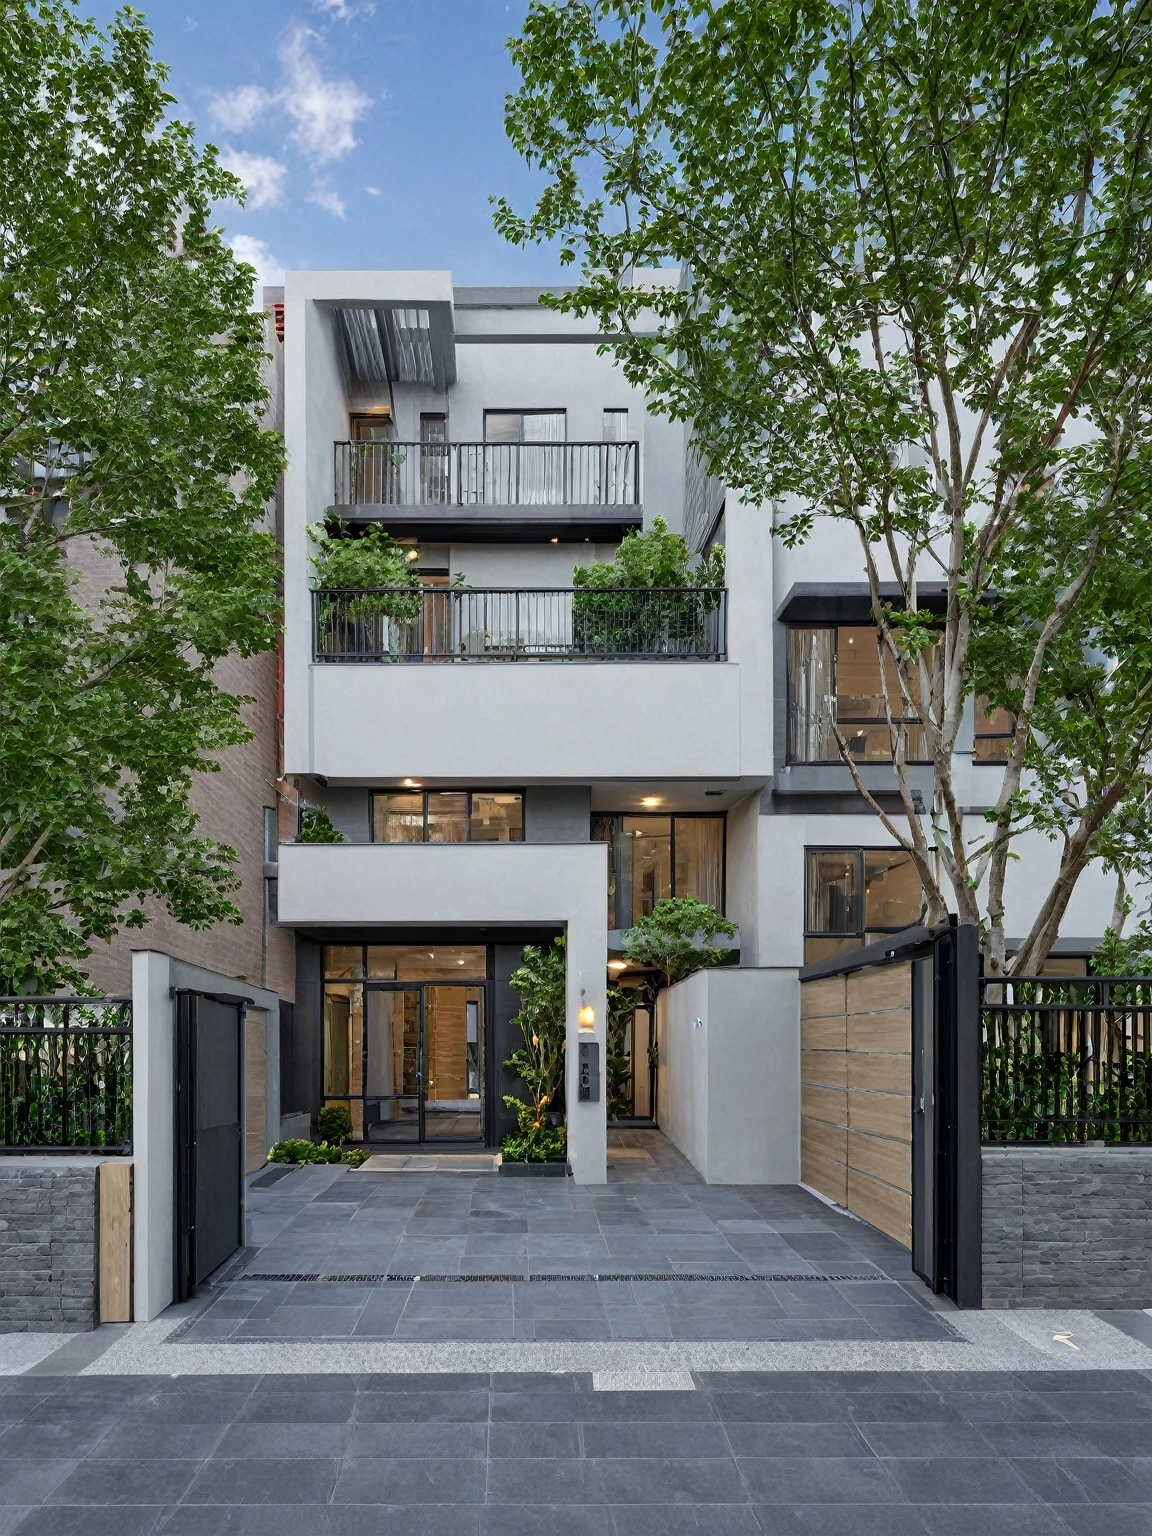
x,y
65,1074
487,474
1066,1059
411,624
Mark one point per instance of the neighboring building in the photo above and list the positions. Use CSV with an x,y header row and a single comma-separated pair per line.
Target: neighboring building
x,y
502,770
239,806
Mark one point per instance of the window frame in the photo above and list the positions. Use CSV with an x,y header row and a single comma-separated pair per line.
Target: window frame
x,y
671,816
538,410
824,762
860,850
980,708
442,789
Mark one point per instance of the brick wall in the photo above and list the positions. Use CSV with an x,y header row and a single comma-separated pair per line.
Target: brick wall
x,y
47,1247
230,805
1067,1227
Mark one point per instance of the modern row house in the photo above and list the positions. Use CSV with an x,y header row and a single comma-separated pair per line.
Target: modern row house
x,y
503,766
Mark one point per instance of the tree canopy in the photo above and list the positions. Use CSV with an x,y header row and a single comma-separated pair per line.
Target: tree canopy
x,y
916,246
132,450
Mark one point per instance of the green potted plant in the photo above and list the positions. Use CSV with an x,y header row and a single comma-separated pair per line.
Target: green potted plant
x,y
538,1144
610,618
316,826
367,581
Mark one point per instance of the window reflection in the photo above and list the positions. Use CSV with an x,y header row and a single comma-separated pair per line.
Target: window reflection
x,y
447,816
835,680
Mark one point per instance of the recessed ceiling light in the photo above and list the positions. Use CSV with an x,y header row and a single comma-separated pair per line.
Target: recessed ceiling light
x,y
651,800
553,541
410,783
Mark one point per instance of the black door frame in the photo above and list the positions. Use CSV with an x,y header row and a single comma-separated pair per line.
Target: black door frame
x,y
486,989
185,1189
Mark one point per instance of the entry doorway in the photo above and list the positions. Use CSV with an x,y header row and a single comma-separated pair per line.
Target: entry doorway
x,y
404,1041
424,1072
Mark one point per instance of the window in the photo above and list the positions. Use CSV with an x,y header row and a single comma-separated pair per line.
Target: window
x,y
448,816
834,679
651,857
435,464
853,896
525,426
615,426
995,731
375,428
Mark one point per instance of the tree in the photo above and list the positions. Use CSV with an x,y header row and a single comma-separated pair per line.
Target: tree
x,y
676,939
130,441
540,981
917,247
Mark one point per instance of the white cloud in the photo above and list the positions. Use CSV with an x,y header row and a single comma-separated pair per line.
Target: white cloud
x,y
325,110
269,271
263,176
342,10
328,200
239,109
373,191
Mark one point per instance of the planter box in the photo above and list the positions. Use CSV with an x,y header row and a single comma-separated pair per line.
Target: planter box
x,y
535,1170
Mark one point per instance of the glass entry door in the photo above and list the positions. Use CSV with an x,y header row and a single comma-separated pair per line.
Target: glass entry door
x,y
425,1070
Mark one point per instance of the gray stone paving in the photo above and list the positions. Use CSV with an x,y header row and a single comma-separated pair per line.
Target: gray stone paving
x,y
1039,1454
655,1217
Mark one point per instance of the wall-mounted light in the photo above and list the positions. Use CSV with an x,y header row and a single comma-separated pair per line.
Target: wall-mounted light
x,y
587,1016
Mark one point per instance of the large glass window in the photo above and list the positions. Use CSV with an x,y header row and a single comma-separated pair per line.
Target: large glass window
x,y
994,734
853,896
835,679
448,816
651,857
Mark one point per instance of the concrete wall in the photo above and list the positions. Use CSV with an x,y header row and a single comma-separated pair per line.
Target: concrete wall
x,y
48,1234
1067,1226
154,978
729,1074
510,885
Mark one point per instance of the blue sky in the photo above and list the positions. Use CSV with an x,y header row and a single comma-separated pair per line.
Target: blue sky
x,y
369,134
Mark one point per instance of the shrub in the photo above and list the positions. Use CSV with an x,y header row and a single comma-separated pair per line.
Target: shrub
x,y
334,1123
297,1150
539,1063
547,1144
316,827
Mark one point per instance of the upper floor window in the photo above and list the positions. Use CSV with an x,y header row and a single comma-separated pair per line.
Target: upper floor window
x,y
525,426
834,680
995,731
447,816
374,427
651,857
853,896
614,427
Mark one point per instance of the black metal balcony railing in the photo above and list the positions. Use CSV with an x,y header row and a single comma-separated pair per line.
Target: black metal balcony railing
x,y
487,474
508,624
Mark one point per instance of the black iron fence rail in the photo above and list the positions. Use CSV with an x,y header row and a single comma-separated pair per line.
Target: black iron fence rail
x,y
65,1074
413,624
1066,1059
487,474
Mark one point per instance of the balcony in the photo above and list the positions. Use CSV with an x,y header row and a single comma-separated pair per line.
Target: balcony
x,y
588,490
407,624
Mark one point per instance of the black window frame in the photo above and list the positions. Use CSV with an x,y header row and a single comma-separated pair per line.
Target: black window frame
x,y
860,850
850,720
441,789
672,816
522,411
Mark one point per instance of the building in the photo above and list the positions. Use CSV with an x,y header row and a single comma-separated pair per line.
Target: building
x,y
497,776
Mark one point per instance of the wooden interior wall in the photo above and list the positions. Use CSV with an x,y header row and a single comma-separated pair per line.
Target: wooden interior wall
x,y
445,1034
856,1094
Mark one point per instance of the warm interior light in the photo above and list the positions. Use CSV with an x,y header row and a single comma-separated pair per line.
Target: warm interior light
x,y
553,541
617,965
410,783
587,1017
651,800
413,554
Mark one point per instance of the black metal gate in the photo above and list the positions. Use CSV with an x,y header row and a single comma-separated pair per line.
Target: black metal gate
x,y
209,1135
946,1169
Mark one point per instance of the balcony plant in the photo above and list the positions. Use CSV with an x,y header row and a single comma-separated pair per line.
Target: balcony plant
x,y
366,580
541,981
610,617
316,826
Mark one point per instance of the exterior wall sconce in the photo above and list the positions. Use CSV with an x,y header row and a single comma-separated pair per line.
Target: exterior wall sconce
x,y
587,1016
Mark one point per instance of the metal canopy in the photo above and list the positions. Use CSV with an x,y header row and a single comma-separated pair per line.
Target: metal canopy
x,y
398,344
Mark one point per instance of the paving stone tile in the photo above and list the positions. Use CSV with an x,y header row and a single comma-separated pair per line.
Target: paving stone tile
x,y
818,1480
390,1441
253,1481
957,1480
125,1482
270,1441
616,1440
77,1520
534,1441
23,1481
410,1480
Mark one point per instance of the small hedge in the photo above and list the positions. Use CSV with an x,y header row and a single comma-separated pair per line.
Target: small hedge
x,y
297,1150
547,1145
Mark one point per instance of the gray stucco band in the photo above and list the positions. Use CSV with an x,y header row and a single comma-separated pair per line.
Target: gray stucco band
x,y
47,1246
1067,1226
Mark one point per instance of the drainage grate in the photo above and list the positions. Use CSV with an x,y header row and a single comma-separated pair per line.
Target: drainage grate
x,y
559,1279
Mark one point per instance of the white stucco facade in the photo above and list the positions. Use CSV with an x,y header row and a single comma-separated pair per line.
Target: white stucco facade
x,y
592,744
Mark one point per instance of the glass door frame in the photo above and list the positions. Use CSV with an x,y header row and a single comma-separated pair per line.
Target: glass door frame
x,y
485,987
